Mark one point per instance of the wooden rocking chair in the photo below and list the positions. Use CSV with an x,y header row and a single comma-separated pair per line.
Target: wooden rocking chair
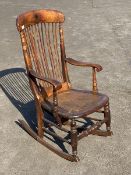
x,y
43,47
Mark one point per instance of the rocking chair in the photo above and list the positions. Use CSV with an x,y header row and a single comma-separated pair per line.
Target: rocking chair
x,y
43,47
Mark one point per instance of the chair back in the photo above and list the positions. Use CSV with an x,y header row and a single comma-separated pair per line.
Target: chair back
x,y
42,40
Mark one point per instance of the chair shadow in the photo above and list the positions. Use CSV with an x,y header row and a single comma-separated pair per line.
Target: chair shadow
x,y
15,84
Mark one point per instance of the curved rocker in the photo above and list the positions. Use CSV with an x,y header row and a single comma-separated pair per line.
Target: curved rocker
x,y
66,156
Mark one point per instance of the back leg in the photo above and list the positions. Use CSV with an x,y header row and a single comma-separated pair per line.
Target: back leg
x,y
107,116
39,118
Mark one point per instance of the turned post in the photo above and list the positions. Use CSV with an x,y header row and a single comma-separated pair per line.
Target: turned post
x,y
55,109
94,87
73,137
107,116
25,52
63,55
32,84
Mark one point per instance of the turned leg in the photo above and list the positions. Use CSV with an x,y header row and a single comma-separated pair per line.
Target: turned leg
x,y
73,137
107,116
39,118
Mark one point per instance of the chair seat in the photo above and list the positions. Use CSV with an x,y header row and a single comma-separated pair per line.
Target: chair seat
x,y
77,103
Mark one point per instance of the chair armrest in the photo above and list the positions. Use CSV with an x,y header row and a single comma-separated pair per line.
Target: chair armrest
x,y
56,84
84,64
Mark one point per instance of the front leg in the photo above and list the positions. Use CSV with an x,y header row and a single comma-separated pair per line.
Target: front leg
x,y
74,140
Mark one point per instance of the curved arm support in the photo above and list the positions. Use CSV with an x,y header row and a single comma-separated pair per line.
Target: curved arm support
x,y
95,67
56,84
84,64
